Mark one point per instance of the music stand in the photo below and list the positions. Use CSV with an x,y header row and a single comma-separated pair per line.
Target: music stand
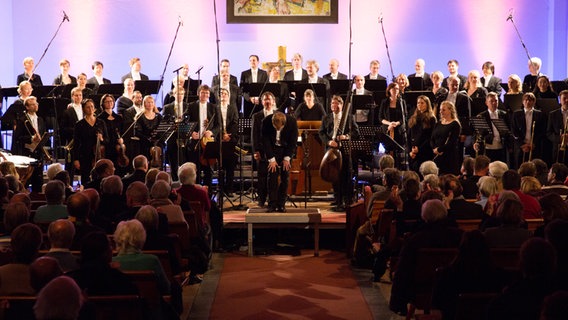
x,y
547,105
162,134
376,85
244,125
513,102
339,86
559,86
319,89
505,86
389,143
40,146
416,83
503,129
147,87
477,106
211,151
379,96
115,89
184,130
480,126
257,89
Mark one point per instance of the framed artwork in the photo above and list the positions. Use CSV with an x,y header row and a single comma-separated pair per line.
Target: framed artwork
x,y
282,11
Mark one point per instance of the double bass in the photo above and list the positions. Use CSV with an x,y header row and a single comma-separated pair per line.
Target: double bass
x,y
333,159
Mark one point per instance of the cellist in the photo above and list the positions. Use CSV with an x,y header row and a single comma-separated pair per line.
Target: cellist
x,y
335,137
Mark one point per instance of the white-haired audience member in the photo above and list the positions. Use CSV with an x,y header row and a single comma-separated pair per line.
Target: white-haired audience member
x,y
428,167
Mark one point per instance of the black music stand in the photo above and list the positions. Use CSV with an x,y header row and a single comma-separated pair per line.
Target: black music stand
x,y
477,106
184,130
244,127
513,102
211,151
339,86
115,89
547,105
504,132
379,96
319,89
416,83
389,143
480,126
147,87
376,85
364,102
257,89
41,144
162,134
362,150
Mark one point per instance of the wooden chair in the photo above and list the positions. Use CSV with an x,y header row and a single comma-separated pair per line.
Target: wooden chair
x,y
117,307
147,284
533,224
17,307
468,224
377,206
427,261
180,228
383,226
506,258
164,257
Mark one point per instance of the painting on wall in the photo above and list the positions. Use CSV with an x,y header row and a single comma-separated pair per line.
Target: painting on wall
x,y
282,11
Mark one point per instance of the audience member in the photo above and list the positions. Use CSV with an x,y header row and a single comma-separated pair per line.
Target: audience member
x,y
512,181
112,203
60,299
43,270
458,207
509,234
61,234
78,207
54,209
159,199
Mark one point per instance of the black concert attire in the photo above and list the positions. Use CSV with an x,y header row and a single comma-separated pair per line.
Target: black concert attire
x,y
289,75
548,94
480,92
303,113
143,77
463,108
529,82
339,76
494,85
379,77
232,80
493,144
234,98
87,92
194,148
171,113
556,126
123,103
393,115
144,129
330,125
463,81
14,113
277,150
257,146
96,82
23,135
59,80
35,80
85,140
439,97
426,81
445,137
131,142
230,126
114,129
521,129
66,129
246,77
419,136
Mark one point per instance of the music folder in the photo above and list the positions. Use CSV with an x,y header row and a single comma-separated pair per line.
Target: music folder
x,y
115,89
9,92
211,150
376,84
547,105
416,83
513,102
257,89
362,102
147,87
339,86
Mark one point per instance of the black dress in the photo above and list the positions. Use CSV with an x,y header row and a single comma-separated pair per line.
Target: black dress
x,y
303,113
144,130
420,137
123,103
392,115
85,141
445,137
114,129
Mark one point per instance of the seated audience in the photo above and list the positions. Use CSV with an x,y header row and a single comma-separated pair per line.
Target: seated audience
x,y
54,209
78,207
43,270
60,234
60,299
458,207
111,205
512,181
509,234
159,199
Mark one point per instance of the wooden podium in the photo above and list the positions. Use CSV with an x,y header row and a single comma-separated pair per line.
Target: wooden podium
x,y
308,138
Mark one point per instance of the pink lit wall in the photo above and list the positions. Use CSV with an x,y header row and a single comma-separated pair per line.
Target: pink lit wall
x,y
471,31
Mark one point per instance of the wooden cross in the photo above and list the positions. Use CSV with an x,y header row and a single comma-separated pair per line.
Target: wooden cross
x,y
282,64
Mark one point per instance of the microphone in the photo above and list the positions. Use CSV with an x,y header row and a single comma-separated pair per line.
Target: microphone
x,y
178,69
198,69
180,21
381,18
510,17
65,16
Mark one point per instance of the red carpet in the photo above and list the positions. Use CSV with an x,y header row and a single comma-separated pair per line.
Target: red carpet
x,y
285,287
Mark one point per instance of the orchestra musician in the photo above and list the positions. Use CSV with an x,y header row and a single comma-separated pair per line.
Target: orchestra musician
x,y
82,84
334,73
282,100
374,67
453,67
297,73
529,82
420,126
225,65
132,142
312,68
89,133
16,110
64,78
134,74
419,67
489,80
29,131
491,143
227,117
557,129
125,101
391,118
97,79
280,136
310,109
328,132
233,90
201,112
114,125
269,105
175,112
445,138
462,103
252,75
69,118
28,75
147,123
361,115
528,142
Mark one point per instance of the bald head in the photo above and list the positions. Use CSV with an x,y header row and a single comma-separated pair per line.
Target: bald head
x,y
61,233
42,271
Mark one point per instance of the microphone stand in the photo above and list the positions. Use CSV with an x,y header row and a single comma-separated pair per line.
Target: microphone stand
x,y
404,132
510,18
180,23
48,45
387,46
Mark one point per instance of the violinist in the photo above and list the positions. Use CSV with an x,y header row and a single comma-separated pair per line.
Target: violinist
x,y
90,139
201,111
227,117
332,135
128,133
114,125
392,119
125,101
29,130
175,112
269,104
145,126
16,110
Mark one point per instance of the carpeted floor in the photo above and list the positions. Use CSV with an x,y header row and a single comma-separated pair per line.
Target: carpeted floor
x,y
286,287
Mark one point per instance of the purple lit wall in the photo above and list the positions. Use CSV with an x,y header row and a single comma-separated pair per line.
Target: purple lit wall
x,y
471,31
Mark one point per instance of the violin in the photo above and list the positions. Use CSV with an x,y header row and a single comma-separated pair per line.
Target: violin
x,y
121,158
203,143
156,154
99,149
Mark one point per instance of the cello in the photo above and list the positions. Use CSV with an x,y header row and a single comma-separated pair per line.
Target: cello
x,y
333,159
